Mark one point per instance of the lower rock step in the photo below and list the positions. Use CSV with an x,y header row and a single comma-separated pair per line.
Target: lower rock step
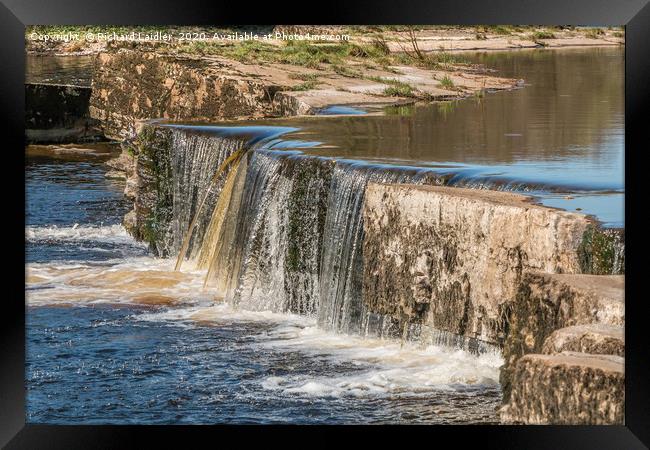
x,y
567,388
595,338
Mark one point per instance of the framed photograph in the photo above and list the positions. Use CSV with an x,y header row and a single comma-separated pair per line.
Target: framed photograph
x,y
388,215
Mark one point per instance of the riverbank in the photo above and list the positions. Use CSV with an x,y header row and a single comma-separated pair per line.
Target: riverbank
x,y
397,38
216,78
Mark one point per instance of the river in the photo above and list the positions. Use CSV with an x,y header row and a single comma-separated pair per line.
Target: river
x,y
114,335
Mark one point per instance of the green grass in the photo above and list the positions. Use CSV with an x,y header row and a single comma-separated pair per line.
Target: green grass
x,y
306,86
345,71
432,60
298,53
396,88
399,89
594,33
542,35
447,83
501,29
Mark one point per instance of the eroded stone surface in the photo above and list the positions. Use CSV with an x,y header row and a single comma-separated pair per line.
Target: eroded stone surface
x,y
567,388
547,302
454,258
131,86
596,338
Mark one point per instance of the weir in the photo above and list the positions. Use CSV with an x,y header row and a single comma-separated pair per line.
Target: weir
x,y
278,229
395,251
275,229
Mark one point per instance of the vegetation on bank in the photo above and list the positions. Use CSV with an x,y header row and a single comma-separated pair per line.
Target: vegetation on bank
x,y
372,52
365,42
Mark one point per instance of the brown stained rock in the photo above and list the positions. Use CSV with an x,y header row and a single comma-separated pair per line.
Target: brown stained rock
x,y
567,388
132,86
596,338
547,302
453,258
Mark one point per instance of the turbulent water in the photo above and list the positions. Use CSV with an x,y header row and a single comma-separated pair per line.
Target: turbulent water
x,y
117,336
264,321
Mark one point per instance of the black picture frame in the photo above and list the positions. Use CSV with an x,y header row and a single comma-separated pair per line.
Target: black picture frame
x,y
15,14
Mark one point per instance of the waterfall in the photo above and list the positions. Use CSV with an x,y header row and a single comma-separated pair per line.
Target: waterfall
x,y
341,307
286,234
194,158
271,258
275,229
282,230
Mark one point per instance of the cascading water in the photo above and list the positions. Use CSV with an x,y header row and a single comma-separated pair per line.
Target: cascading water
x,y
282,230
194,158
341,307
273,254
286,234
214,223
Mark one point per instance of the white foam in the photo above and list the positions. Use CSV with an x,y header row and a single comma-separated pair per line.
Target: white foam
x,y
220,313
376,367
372,366
80,233
386,366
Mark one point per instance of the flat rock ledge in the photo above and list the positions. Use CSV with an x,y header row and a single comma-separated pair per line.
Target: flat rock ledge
x,y
596,338
567,388
131,86
547,303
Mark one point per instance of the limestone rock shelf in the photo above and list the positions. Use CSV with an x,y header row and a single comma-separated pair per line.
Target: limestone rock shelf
x,y
567,388
131,86
597,338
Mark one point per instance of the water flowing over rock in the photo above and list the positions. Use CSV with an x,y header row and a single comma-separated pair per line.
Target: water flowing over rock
x,y
173,175
386,250
341,306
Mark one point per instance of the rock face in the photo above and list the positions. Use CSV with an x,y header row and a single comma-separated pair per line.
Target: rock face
x,y
548,302
131,86
454,258
567,388
597,338
58,113
493,267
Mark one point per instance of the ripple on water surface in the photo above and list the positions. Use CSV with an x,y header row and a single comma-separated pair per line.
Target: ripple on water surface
x,y
208,364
